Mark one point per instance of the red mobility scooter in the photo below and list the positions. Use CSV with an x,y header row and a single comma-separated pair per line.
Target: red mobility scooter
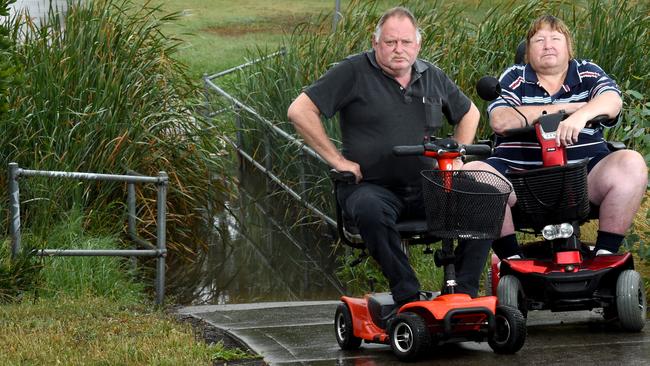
x,y
456,203
561,273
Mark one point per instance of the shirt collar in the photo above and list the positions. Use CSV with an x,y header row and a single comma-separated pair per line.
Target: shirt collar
x,y
572,76
419,66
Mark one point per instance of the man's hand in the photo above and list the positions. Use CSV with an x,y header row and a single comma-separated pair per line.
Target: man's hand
x,y
344,165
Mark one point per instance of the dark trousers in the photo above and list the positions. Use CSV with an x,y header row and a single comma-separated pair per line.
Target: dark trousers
x,y
375,211
471,256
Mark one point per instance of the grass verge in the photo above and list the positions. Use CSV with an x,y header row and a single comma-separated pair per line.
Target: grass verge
x,y
91,329
92,310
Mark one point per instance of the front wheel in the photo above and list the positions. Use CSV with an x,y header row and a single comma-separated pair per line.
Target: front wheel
x,y
343,328
409,336
510,330
631,304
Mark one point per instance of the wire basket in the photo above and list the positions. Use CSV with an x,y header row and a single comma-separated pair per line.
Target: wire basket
x,y
464,204
550,195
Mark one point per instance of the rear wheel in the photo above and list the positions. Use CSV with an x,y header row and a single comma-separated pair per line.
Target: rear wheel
x,y
343,328
409,336
631,302
511,293
510,330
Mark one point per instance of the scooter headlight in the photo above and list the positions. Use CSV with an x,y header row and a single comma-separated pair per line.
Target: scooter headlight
x,y
552,232
566,230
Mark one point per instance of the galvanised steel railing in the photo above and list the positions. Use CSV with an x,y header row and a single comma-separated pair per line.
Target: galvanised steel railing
x,y
239,107
159,250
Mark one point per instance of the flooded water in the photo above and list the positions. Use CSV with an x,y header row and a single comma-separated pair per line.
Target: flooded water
x,y
260,250
38,9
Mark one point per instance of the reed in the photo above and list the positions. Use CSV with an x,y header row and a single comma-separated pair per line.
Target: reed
x,y
465,45
103,93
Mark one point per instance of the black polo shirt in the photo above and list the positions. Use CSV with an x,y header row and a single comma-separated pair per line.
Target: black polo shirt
x,y
376,113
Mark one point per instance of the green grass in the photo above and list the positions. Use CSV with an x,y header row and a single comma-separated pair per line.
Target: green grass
x,y
89,310
97,331
218,34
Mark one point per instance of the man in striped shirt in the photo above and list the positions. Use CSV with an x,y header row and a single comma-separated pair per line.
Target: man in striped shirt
x,y
551,81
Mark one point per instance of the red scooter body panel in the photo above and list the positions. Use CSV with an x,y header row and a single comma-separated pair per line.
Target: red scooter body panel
x,y
433,311
547,266
362,324
552,155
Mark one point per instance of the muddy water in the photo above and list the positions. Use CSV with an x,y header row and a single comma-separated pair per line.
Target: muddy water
x,y
261,249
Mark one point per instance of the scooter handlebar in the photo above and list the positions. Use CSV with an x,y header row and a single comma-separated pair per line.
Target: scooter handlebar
x,y
418,150
518,131
594,122
344,177
408,150
478,149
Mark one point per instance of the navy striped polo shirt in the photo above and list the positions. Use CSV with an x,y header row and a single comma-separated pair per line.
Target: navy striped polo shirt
x,y
585,80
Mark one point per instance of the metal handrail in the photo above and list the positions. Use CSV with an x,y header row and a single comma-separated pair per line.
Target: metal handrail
x,y
159,251
237,104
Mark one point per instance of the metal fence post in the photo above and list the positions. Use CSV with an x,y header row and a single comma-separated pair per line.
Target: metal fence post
x,y
301,171
206,90
337,15
130,199
14,204
161,232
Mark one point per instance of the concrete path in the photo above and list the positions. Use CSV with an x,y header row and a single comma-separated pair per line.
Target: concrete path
x,y
302,333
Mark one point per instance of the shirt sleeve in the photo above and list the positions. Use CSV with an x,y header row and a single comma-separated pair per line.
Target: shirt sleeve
x,y
456,104
600,83
332,91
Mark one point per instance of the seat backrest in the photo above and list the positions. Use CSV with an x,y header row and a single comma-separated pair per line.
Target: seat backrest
x,y
521,53
411,231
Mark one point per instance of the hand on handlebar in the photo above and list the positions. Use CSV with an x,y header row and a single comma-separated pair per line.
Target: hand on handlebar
x,y
568,130
345,165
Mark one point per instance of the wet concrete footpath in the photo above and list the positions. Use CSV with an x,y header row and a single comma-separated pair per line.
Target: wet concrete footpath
x,y
302,333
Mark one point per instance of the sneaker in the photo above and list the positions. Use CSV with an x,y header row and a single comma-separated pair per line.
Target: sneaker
x,y
603,252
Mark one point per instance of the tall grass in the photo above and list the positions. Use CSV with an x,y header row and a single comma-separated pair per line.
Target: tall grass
x,y
465,45
613,33
103,93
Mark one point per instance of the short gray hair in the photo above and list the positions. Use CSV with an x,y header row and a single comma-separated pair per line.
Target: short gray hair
x,y
400,12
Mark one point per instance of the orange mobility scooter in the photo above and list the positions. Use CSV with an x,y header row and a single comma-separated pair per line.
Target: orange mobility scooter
x,y
459,205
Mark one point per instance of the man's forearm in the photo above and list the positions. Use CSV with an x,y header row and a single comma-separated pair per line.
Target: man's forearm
x,y
305,117
504,118
466,129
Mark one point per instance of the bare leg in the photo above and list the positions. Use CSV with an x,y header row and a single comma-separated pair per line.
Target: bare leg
x,y
617,183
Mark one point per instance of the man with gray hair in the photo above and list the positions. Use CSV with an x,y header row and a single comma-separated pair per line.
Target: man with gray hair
x,y
388,97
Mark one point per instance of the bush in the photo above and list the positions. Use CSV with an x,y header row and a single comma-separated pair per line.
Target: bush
x,y
104,94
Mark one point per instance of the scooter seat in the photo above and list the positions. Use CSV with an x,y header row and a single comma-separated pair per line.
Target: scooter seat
x,y
404,227
380,306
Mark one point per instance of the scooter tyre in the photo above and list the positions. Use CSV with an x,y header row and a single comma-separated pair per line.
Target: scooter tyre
x,y
511,293
510,333
343,329
409,336
631,303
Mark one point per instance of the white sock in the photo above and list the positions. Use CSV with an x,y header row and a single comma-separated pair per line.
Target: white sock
x,y
603,251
